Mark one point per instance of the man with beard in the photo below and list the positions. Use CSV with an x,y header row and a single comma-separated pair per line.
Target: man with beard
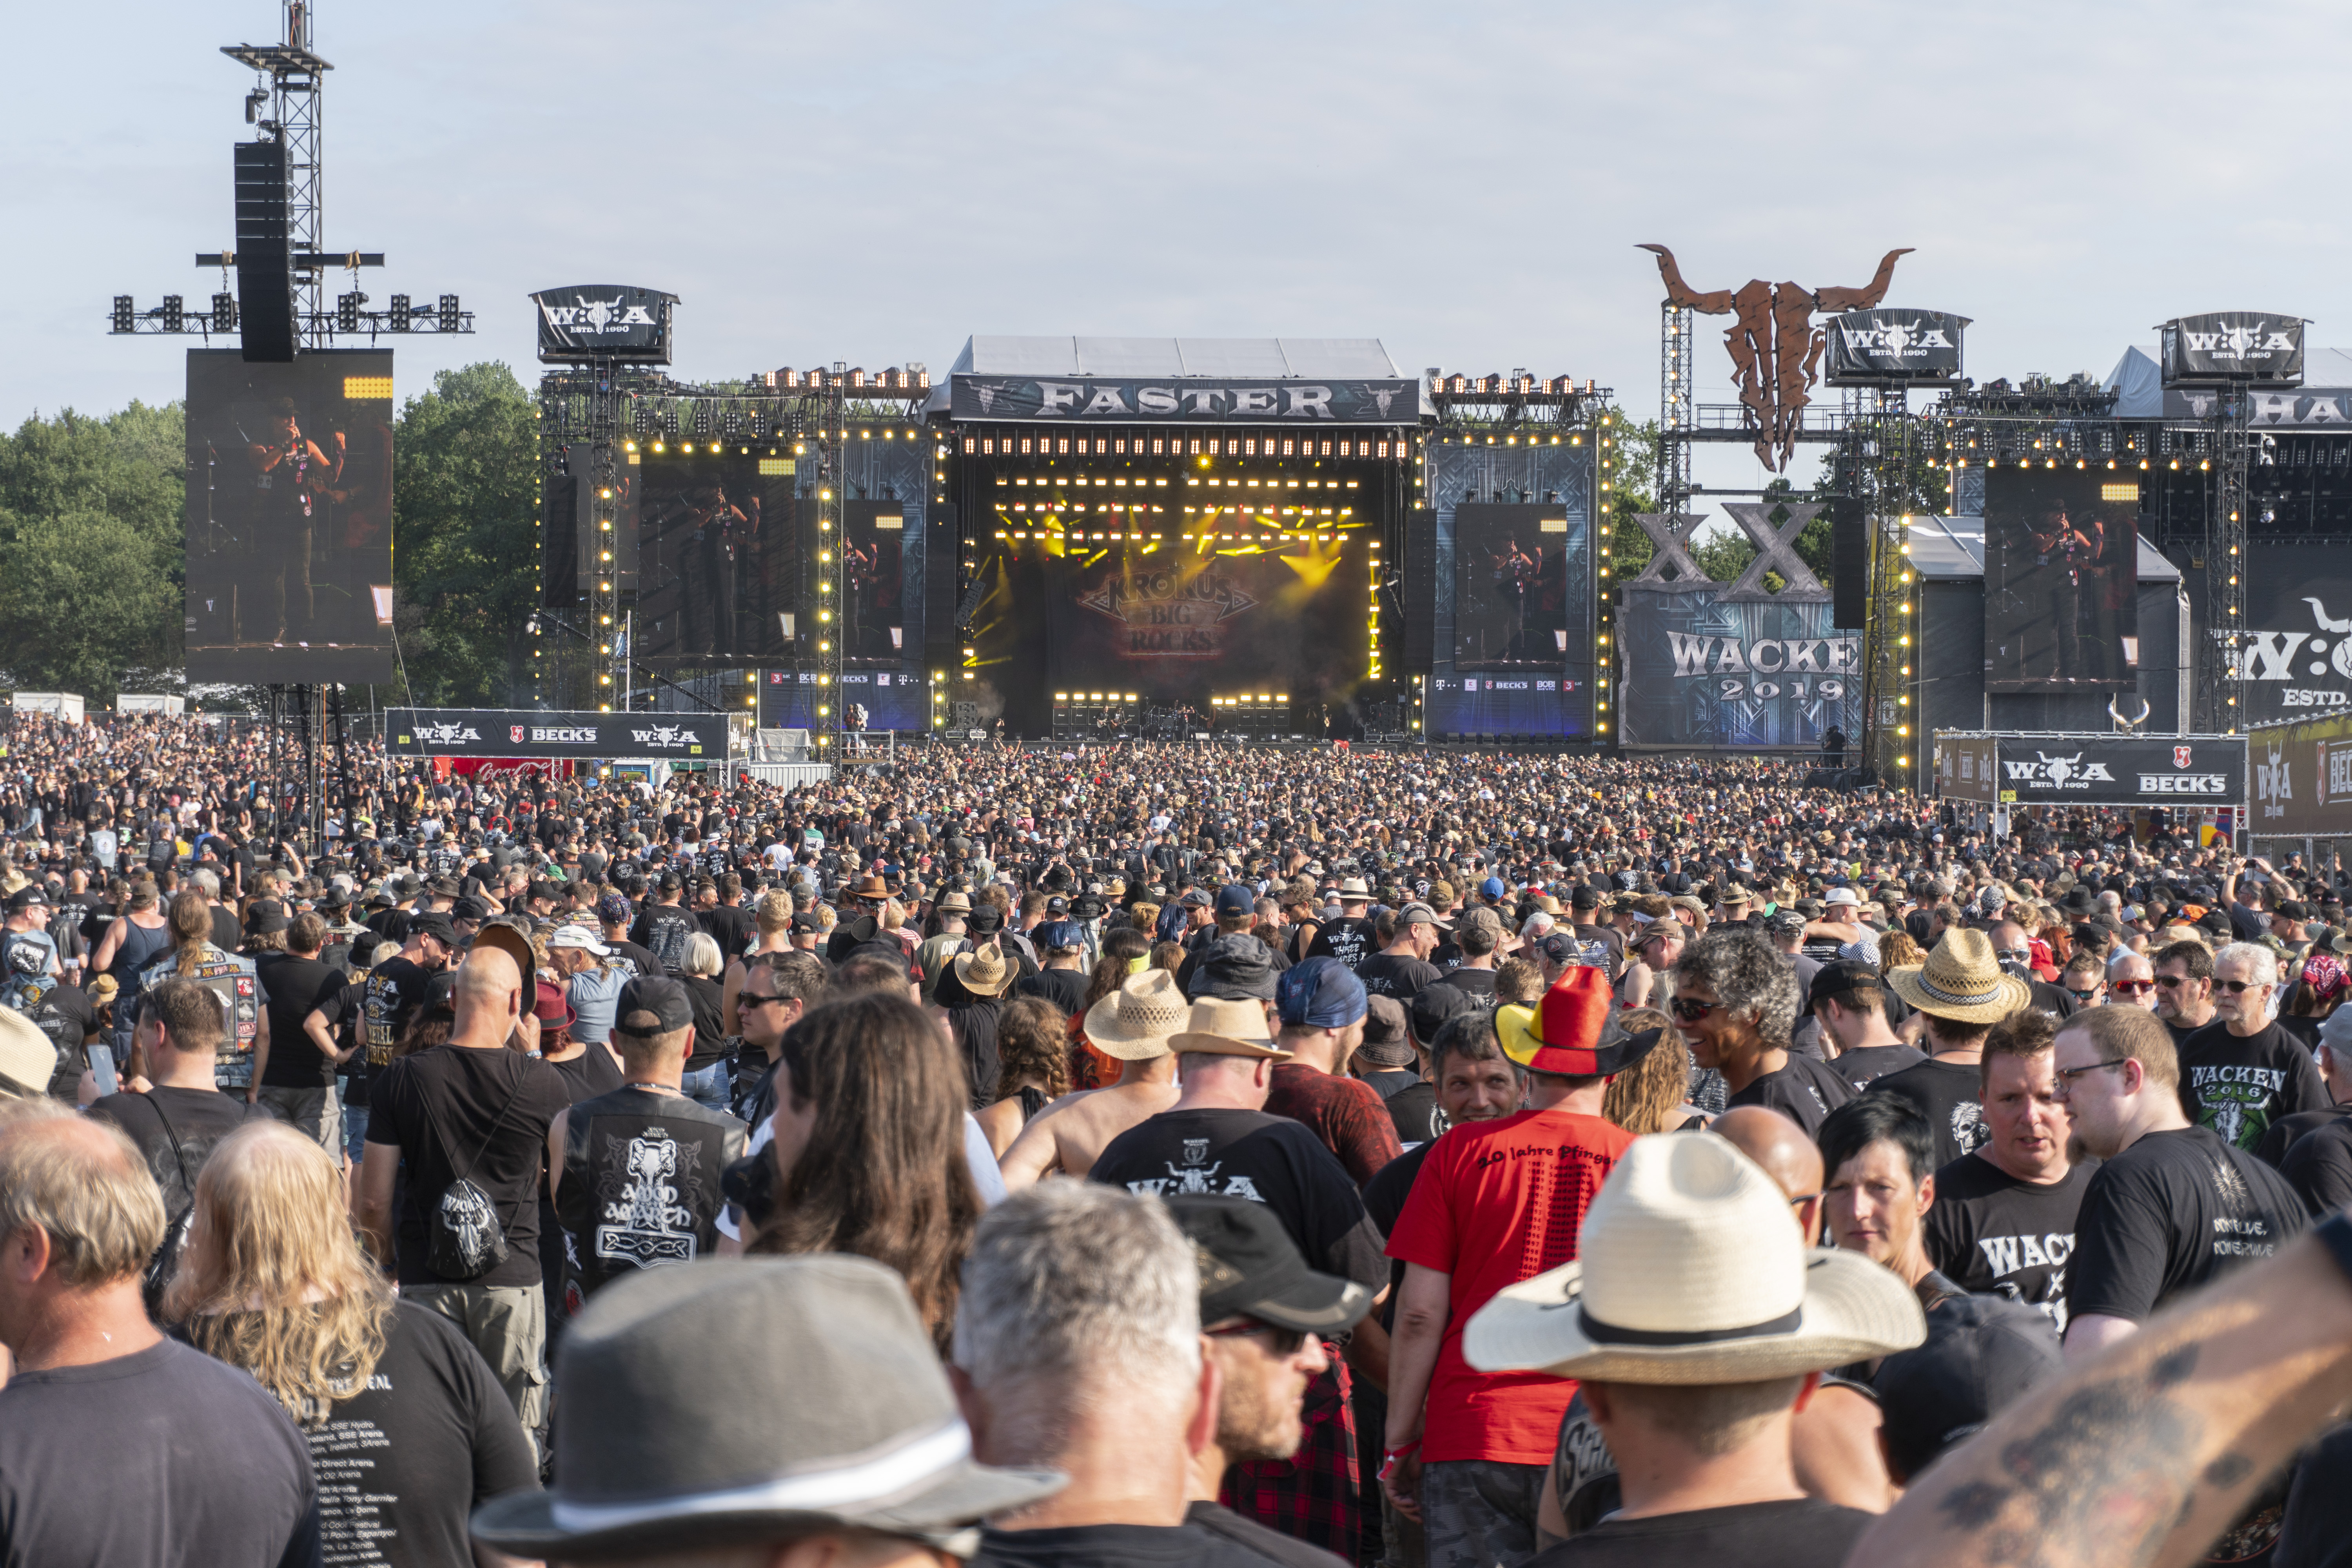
x,y
2242,1073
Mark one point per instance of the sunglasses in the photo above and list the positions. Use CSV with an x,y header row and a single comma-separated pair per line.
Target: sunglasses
x,y
2235,986
1691,1012
2134,987
1281,1341
2169,981
745,999
2081,995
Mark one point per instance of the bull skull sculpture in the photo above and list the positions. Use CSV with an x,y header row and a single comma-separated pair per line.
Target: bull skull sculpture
x,y
1776,349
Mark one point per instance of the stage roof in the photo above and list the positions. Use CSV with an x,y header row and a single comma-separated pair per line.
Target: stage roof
x,y
2139,383
1952,549
1226,358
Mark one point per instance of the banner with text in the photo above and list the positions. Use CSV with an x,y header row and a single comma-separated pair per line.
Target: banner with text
x,y
2116,770
2302,777
1189,401
1754,674
521,732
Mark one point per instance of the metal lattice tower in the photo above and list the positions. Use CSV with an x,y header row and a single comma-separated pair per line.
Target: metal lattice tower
x,y
2221,666
1890,738
604,622
1677,408
824,723
295,85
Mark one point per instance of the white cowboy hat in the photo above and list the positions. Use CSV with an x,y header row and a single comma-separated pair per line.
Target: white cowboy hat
x,y
1136,1021
1694,1272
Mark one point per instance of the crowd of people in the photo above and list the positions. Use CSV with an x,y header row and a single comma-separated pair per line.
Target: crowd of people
x,y
1149,1154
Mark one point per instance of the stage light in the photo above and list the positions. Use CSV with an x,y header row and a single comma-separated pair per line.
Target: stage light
x,y
224,312
174,312
126,314
448,313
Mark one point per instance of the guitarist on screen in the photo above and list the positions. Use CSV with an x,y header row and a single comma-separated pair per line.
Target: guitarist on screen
x,y
1515,573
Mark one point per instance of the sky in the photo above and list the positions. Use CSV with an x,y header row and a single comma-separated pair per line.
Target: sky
x,y
877,182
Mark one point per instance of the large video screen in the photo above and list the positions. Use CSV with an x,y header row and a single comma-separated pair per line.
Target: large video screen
x,y
716,557
1175,623
290,518
1510,586
1750,675
2062,558
873,583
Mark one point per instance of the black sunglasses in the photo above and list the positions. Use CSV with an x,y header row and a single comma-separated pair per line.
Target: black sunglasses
x,y
1691,1012
745,999
2235,986
1281,1341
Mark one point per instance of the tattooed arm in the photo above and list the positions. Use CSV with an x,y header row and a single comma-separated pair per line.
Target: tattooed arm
x,y
2143,1455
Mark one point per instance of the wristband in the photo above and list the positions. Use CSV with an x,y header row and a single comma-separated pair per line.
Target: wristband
x,y
2334,1233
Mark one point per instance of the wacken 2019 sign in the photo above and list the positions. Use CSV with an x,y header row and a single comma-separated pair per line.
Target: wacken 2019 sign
x,y
1189,401
1776,349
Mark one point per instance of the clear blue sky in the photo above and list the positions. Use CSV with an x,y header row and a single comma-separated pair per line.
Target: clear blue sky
x,y
874,182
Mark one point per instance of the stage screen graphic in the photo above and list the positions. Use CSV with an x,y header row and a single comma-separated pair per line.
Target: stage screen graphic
x,y
2299,630
1756,673
290,518
715,557
873,581
1510,586
1181,625
2061,570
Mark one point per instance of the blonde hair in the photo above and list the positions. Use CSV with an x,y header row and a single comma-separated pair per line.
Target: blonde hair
x,y
272,1280
773,913
1644,1098
99,1206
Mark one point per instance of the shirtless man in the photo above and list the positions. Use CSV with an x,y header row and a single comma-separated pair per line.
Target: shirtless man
x,y
1133,1023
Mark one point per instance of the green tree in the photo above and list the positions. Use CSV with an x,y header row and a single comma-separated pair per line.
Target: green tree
x,y
465,492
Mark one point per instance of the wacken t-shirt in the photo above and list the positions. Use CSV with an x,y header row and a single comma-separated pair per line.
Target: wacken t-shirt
x,y
1351,941
2170,1213
1400,976
1270,1159
2239,1086
1950,1096
1997,1235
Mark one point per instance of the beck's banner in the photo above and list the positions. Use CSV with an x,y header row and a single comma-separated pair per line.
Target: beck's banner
x,y
1964,766
2121,770
1188,401
604,320
2233,345
1871,347
522,732
1756,674
2303,778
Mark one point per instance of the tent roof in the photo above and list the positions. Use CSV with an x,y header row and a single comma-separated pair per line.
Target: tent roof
x,y
1272,358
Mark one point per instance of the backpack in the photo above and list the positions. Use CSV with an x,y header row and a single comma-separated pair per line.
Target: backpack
x,y
464,1238
166,1260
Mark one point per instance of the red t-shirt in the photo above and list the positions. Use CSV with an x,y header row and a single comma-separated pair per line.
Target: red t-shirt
x,y
1497,1203
1347,1113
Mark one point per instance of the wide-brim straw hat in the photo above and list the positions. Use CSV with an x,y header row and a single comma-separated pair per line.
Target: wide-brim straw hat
x,y
1693,1271
1962,980
1136,1021
983,971
28,1058
1215,1027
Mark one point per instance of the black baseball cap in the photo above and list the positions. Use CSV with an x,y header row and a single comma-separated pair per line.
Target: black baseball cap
x,y
1431,1005
1250,1268
1981,1354
1840,977
657,1004
435,926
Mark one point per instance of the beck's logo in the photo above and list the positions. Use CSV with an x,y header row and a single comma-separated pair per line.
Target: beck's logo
x,y
515,732
2184,783
2179,756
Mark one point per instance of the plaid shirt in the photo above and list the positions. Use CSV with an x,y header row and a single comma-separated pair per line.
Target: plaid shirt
x,y
1317,1495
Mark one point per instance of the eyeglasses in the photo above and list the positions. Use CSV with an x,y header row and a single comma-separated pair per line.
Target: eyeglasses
x,y
1281,1341
2068,1075
2235,986
2081,995
2134,987
1691,1012
2169,981
745,999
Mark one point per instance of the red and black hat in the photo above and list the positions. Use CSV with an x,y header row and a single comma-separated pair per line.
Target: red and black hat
x,y
1572,1029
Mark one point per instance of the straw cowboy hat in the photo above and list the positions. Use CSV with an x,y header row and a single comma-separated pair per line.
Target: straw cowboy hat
x,y
28,1058
983,971
1215,1027
1572,1029
1136,1021
1693,1271
1962,980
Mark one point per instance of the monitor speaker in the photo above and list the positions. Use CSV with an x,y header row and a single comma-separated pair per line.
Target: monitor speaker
x,y
1419,593
1849,563
265,270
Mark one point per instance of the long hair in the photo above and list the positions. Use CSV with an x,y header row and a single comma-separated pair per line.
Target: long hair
x,y
1644,1100
883,1175
191,925
272,1280
1032,1041
1120,949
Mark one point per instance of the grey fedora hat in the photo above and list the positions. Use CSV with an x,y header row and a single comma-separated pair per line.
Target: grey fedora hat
x,y
748,1400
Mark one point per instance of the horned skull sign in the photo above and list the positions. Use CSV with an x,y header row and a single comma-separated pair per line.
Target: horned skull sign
x,y
1776,349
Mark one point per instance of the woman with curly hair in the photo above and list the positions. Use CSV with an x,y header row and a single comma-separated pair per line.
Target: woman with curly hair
x,y
390,1393
1033,1053
1655,1096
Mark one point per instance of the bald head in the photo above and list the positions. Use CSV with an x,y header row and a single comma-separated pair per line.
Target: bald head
x,y
487,997
1776,1142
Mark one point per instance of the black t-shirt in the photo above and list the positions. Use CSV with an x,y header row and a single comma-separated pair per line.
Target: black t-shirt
x,y
1396,974
595,1071
710,1040
62,1011
1113,1546
2317,1530
227,935
1384,1197
402,1463
1351,941
2319,1168
633,961
387,1000
1805,1090
486,1112
1065,988
1414,1110
1867,1065
202,1466
1270,1159
1950,1096
729,926
640,1186
2238,1087
662,931
200,1118
1804,1532
2169,1214
2286,1132
1476,984
1256,1539
1609,937
1996,1236
296,986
